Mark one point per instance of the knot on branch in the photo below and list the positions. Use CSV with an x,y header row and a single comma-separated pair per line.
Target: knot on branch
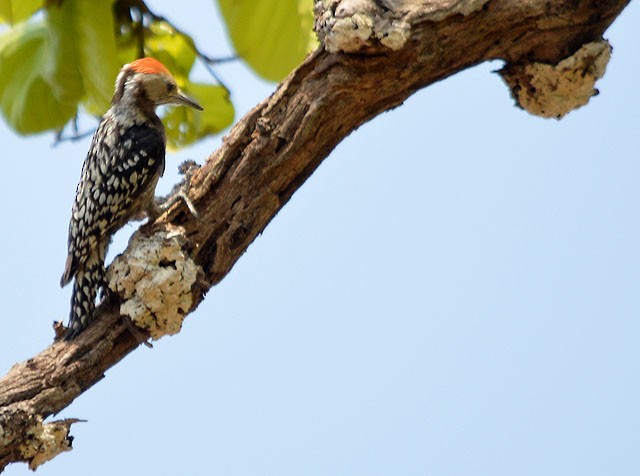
x,y
349,26
554,90
155,281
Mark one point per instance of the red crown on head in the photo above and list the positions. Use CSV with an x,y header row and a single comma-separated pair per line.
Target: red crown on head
x,y
149,66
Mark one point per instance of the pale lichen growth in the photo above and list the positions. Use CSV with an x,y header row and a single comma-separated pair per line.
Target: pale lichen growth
x,y
555,90
45,441
155,281
393,34
349,25
350,34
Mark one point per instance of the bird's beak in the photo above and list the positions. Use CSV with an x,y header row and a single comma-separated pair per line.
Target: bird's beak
x,y
182,100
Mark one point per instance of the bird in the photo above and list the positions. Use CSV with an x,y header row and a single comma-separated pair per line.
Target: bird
x,y
118,180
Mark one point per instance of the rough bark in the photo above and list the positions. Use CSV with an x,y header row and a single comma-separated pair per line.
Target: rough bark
x,y
375,54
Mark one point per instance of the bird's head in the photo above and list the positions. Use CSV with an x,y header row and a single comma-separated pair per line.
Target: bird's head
x,y
147,80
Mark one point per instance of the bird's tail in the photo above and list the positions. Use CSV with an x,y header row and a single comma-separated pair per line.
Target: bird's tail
x,y
89,279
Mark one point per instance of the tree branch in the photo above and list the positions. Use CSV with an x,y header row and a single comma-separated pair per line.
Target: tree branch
x,y
375,54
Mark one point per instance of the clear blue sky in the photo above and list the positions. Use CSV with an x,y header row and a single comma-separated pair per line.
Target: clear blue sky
x,y
456,291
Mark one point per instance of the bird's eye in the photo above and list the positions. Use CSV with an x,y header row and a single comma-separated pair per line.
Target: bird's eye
x,y
171,87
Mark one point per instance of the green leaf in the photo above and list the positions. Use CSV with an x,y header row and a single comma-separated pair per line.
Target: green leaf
x,y
185,126
83,43
272,36
175,50
126,48
6,11
48,68
63,66
27,100
15,11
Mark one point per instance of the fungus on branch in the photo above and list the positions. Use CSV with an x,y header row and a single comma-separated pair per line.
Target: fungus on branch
x,y
554,90
155,282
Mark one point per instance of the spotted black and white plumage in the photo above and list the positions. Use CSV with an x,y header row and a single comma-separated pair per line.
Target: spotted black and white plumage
x,y
118,180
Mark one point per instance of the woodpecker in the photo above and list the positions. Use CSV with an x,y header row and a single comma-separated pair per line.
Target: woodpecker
x,y
118,179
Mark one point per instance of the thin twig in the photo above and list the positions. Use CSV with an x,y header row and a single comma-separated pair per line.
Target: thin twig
x,y
75,137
